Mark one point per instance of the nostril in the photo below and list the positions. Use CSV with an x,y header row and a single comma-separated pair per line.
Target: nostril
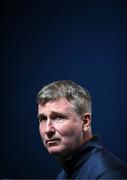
x,y
50,134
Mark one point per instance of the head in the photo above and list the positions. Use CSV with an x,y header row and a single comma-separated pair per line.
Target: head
x,y
64,112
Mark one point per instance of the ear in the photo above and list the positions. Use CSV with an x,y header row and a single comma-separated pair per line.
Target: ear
x,y
86,121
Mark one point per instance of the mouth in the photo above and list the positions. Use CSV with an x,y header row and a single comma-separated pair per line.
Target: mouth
x,y
52,142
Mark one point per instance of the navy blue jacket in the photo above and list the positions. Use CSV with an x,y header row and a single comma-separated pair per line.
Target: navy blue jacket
x,y
93,161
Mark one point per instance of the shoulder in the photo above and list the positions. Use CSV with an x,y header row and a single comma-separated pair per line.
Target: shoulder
x,y
113,173
103,164
114,166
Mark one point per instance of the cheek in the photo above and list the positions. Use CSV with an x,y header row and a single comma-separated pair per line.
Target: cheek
x,y
41,131
71,131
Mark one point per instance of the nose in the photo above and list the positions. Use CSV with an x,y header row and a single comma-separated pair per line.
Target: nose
x,y
49,129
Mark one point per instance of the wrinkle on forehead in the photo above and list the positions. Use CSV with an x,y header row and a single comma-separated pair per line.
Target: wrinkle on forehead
x,y
61,105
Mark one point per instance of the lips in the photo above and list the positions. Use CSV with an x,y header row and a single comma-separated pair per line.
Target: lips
x,y
52,141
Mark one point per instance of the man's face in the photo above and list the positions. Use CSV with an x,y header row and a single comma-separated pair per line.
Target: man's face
x,y
60,127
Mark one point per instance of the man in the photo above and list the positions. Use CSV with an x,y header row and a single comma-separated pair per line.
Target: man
x,y
64,112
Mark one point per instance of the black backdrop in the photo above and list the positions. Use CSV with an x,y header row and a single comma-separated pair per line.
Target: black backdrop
x,y
44,41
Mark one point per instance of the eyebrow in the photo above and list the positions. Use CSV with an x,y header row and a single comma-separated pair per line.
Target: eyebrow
x,y
53,113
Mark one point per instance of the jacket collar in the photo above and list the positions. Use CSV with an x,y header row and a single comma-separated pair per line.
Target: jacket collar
x,y
82,154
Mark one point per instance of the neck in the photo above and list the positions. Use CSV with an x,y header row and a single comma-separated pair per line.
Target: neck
x,y
87,136
63,158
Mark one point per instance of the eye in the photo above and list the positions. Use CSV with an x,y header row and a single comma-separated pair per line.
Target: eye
x,y
42,118
59,117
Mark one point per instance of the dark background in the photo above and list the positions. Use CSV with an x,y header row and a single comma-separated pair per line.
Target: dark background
x,y
44,41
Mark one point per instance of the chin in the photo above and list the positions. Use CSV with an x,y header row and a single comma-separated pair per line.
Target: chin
x,y
56,150
59,152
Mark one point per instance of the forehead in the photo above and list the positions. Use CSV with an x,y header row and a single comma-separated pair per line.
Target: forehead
x,y
61,105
